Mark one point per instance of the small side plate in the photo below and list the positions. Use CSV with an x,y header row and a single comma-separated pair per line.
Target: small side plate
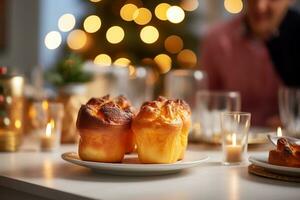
x,y
131,166
262,161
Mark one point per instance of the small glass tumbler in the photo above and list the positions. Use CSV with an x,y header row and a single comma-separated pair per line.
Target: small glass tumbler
x,y
289,108
48,123
209,106
183,84
235,128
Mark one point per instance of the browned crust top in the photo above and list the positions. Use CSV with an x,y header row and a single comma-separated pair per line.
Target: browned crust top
x,y
105,111
164,110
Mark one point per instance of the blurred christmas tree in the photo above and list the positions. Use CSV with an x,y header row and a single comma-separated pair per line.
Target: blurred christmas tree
x,y
135,32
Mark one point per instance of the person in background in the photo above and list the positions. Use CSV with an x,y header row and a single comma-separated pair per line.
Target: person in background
x,y
255,53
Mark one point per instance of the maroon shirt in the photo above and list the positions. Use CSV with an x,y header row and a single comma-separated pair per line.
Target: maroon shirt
x,y
236,62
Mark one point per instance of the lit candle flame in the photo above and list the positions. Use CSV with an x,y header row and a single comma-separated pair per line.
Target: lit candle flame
x,y
52,123
48,130
233,139
279,132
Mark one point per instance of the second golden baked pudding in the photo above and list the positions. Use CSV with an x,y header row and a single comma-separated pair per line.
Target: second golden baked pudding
x,y
161,130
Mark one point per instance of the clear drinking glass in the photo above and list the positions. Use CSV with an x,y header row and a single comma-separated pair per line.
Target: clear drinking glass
x,y
183,84
47,122
140,86
209,106
289,108
235,127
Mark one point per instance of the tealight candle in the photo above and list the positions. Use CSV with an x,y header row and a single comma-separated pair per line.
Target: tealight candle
x,y
47,139
233,151
235,127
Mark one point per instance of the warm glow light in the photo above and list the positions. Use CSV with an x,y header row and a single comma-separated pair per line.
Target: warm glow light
x,y
233,6
164,63
187,58
142,16
127,12
279,132
131,69
6,121
77,39
66,22
103,60
53,40
92,24
173,44
149,34
115,34
45,105
161,11
122,62
175,14
189,5
47,171
95,1
233,139
48,130
52,123
18,124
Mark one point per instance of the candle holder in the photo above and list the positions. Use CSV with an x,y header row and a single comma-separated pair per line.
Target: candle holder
x,y
48,123
235,127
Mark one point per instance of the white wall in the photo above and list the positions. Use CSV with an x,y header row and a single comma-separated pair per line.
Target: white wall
x,y
28,21
22,34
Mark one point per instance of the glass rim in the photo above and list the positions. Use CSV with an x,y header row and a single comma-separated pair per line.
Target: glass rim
x,y
185,71
229,113
218,92
50,104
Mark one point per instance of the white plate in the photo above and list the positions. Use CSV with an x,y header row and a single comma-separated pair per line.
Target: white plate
x,y
131,165
262,161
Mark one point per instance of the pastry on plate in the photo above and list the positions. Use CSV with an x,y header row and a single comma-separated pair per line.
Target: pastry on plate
x,y
287,154
104,125
161,130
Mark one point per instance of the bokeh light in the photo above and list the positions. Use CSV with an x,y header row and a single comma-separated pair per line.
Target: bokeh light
x,y
149,34
187,58
95,1
115,34
77,39
92,24
66,22
131,70
175,14
52,40
173,44
164,63
189,5
102,60
233,6
161,11
127,12
18,124
142,16
122,62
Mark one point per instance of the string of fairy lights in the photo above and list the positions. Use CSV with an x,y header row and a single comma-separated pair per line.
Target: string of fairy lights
x,y
78,39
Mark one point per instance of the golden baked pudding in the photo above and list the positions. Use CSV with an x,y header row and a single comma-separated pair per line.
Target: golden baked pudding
x,y
104,125
161,130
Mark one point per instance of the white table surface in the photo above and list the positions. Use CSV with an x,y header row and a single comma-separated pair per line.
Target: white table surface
x,y
47,175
